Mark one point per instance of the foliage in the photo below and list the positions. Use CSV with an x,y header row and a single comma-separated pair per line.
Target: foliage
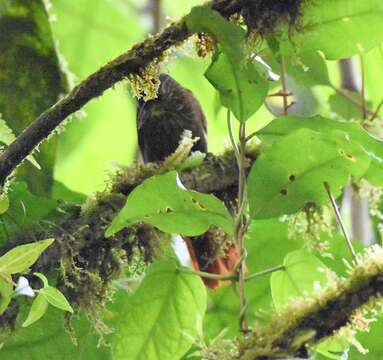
x,y
289,168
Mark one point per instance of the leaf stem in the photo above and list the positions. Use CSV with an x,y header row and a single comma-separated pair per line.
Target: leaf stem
x,y
284,93
264,272
231,276
207,275
339,220
376,112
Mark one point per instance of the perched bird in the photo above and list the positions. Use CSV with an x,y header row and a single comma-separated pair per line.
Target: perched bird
x,y
161,123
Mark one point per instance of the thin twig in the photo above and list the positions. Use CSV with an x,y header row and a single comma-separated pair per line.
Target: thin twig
x,y
231,137
232,276
284,92
264,272
131,62
207,275
240,220
340,220
353,100
156,15
375,114
363,89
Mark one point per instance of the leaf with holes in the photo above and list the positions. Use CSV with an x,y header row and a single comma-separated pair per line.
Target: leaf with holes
x,y
292,172
161,319
302,270
373,147
160,202
241,88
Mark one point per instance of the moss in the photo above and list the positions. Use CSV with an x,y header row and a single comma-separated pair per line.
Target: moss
x,y
263,16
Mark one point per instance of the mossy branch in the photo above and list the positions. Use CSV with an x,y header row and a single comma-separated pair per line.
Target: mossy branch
x,y
307,321
131,62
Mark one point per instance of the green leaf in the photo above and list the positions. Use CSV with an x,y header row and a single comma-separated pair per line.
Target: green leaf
x,y
241,88
48,339
301,272
42,277
308,68
38,309
161,318
20,258
373,147
25,213
4,204
6,291
160,202
56,298
292,172
341,28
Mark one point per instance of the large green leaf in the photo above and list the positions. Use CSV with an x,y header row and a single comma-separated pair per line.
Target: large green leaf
x,y
302,270
373,147
292,172
241,88
20,258
160,202
341,28
47,339
161,319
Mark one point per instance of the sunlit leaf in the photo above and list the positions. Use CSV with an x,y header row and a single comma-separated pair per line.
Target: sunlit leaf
x,y
38,309
160,202
161,318
241,88
20,258
341,28
292,172
372,146
56,298
302,270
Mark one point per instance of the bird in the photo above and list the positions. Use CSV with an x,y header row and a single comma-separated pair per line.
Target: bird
x,y
161,122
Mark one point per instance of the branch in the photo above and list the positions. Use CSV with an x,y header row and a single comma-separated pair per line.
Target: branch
x,y
118,69
307,321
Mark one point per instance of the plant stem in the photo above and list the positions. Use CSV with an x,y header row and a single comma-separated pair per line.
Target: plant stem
x,y
284,92
375,114
232,276
264,272
241,227
207,275
339,220
357,103
363,89
240,219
